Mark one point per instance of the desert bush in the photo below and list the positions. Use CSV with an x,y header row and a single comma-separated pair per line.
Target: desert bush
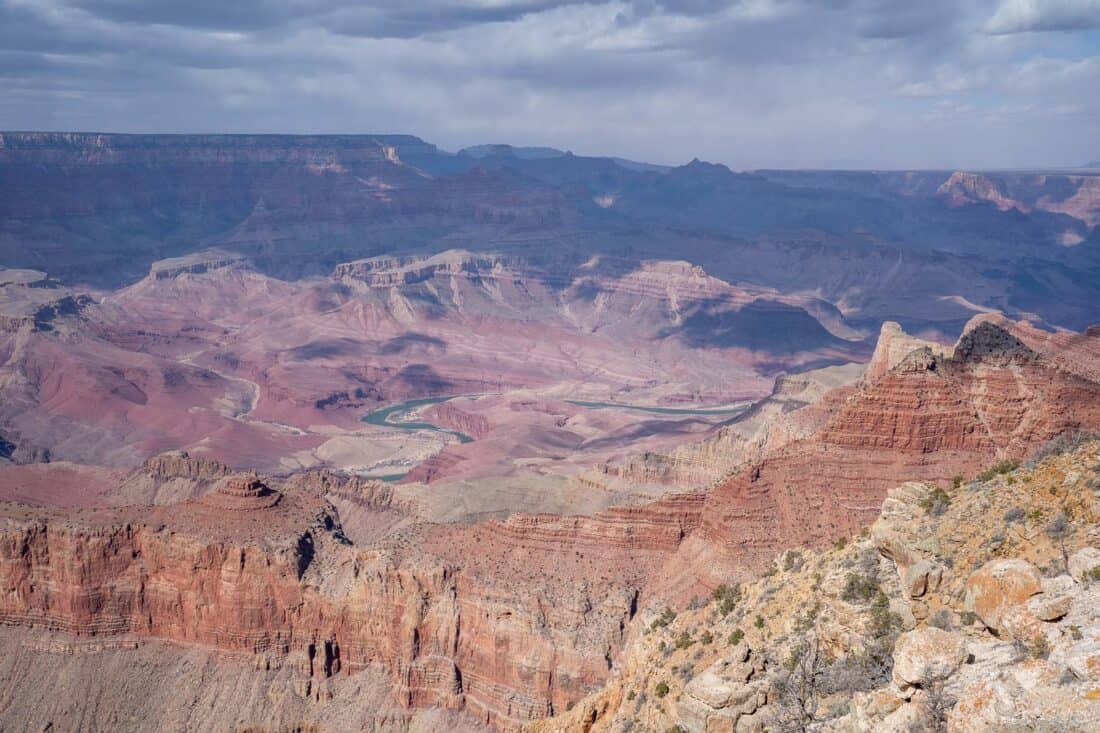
x,y
1040,647
792,561
1068,441
664,619
858,587
936,503
1002,467
800,687
942,620
736,636
684,640
661,689
727,597
1015,514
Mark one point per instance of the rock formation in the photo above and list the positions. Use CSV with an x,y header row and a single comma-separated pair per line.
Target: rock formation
x,y
830,641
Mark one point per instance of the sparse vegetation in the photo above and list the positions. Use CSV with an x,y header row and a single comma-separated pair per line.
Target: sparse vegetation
x,y
936,503
792,560
799,690
666,617
1015,514
661,689
1040,647
727,597
858,587
736,636
1064,443
998,469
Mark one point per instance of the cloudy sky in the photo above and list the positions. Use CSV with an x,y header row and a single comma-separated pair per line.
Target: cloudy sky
x,y
751,83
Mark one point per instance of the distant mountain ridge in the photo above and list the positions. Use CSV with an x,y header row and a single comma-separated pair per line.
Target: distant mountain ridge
x,y
101,208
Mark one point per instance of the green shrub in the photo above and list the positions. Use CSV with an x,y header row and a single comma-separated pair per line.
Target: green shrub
x,y
684,640
759,622
727,597
706,637
859,587
736,637
664,619
936,503
661,689
792,561
998,469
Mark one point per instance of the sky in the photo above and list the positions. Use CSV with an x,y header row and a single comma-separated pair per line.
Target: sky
x,y
749,83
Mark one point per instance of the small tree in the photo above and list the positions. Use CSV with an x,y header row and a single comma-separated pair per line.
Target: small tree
x,y
1057,530
799,687
936,704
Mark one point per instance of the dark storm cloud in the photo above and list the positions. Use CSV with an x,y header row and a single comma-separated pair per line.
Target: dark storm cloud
x,y
749,82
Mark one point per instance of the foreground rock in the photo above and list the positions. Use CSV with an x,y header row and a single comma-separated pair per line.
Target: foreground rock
x,y
846,645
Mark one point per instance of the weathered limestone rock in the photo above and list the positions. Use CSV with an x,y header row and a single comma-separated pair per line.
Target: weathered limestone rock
x,y
1049,607
1082,563
997,586
1018,622
1083,659
922,577
1027,696
728,690
927,655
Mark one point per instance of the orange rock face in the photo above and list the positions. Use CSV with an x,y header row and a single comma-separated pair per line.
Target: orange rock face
x,y
927,419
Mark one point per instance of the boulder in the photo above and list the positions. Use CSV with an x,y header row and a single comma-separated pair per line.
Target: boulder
x,y
1049,606
927,655
1083,659
999,585
921,577
1018,622
1082,562
725,692
1028,696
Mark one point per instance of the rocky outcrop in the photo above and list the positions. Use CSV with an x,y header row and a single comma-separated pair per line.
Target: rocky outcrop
x,y
448,415
927,655
727,695
839,645
999,586
506,620
927,418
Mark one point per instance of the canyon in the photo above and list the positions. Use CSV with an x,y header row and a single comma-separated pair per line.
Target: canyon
x,y
323,433
513,619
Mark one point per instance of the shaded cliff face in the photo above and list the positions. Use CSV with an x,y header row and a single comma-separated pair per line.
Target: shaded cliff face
x,y
102,208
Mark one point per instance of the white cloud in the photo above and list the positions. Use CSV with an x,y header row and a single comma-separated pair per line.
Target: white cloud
x,y
1021,16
